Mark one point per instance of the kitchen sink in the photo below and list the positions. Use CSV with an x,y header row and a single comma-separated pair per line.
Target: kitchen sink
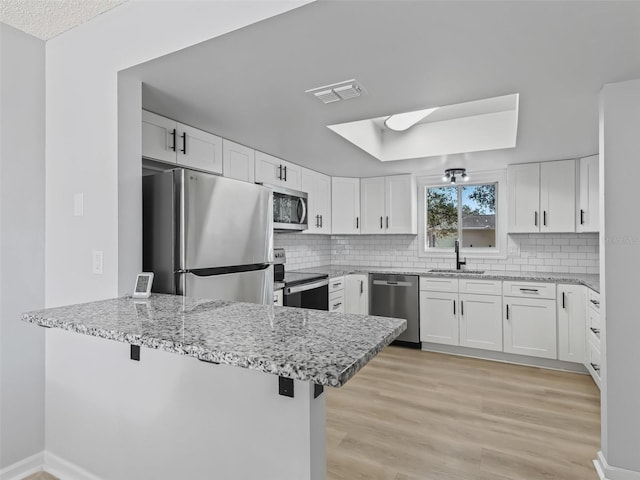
x,y
452,270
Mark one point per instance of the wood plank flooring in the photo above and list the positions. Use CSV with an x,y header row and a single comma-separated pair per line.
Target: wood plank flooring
x,y
413,415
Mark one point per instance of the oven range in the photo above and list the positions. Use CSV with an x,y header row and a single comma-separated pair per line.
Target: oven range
x,y
304,290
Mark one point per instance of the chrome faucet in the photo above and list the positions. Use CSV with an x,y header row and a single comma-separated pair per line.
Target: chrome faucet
x,y
458,262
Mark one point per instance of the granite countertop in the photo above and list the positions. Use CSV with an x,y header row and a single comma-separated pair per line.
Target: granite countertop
x,y
591,281
310,345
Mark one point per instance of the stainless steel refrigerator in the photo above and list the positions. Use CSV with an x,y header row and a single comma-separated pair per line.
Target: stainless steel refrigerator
x,y
207,236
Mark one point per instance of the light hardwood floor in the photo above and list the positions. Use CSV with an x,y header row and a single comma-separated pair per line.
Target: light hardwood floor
x,y
412,415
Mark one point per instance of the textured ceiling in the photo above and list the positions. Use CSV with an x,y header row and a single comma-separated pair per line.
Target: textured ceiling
x,y
46,19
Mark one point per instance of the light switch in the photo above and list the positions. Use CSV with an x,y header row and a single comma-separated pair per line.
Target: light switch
x,y
78,204
98,258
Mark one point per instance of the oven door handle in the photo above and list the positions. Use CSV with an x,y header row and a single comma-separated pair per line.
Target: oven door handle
x,y
305,286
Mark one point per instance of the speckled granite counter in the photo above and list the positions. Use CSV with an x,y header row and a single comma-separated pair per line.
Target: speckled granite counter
x,y
591,281
309,345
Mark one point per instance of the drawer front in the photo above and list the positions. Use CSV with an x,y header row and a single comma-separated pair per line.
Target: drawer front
x,y
480,287
336,302
336,284
594,322
439,284
593,364
593,300
529,289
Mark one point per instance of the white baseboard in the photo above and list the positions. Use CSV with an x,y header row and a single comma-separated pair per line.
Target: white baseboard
x,y
23,468
607,472
64,469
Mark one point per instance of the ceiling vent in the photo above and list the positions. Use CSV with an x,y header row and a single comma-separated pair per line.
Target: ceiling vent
x,y
338,91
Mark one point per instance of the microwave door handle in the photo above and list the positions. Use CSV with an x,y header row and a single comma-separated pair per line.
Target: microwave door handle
x,y
301,205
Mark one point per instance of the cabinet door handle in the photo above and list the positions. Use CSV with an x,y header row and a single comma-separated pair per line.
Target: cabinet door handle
x,y
380,223
285,173
317,221
361,287
387,222
184,142
507,311
357,222
279,172
535,218
320,221
563,304
581,217
173,143
462,307
454,307
544,218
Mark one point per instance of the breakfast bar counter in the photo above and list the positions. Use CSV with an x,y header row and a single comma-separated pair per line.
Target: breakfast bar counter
x,y
173,387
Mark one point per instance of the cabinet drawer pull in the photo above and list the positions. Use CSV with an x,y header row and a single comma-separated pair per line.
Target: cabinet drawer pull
x,y
173,143
595,303
336,305
595,366
184,142
595,330
337,284
529,290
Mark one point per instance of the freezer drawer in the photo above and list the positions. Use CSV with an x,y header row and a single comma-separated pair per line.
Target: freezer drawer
x,y
252,287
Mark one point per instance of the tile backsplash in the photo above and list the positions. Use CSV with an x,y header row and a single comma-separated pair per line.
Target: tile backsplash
x,y
541,252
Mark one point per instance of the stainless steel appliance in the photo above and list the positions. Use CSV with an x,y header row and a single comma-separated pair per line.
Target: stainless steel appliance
x,y
207,236
306,290
397,296
289,209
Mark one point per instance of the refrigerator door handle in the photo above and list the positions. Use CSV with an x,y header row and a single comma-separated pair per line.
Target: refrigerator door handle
x,y
208,272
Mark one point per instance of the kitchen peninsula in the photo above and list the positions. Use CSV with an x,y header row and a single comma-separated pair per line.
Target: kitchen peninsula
x,y
151,389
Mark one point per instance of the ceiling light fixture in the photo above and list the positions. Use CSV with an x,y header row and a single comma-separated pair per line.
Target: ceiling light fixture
x,y
450,175
403,121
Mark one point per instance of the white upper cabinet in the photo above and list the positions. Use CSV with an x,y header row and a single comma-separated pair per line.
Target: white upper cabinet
x,y
345,205
159,137
238,161
170,141
558,196
542,197
588,218
271,170
318,187
388,204
372,197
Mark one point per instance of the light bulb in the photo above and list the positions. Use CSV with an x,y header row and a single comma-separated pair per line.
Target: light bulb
x,y
453,179
445,177
465,177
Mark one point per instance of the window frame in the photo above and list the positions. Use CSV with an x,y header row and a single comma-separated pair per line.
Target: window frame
x,y
499,177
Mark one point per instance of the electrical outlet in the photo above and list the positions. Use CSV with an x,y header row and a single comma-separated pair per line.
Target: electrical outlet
x,y
98,259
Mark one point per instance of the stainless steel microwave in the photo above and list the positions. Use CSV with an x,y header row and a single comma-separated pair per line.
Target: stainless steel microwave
x,y
289,209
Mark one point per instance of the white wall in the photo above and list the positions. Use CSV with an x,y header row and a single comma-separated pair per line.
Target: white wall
x,y
620,239
22,165
82,128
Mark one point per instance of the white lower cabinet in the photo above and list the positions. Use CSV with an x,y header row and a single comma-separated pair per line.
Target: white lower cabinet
x,y
593,361
439,318
481,321
356,297
530,326
336,294
571,304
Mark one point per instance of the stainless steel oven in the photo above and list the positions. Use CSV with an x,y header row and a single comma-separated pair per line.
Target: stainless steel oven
x,y
306,290
289,209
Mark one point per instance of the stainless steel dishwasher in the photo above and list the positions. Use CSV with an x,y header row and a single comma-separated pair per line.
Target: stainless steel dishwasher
x,y
397,296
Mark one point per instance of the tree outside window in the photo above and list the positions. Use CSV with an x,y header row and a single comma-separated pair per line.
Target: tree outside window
x,y
467,212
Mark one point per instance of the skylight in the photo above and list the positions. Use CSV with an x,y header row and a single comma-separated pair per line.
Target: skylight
x,y
486,124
